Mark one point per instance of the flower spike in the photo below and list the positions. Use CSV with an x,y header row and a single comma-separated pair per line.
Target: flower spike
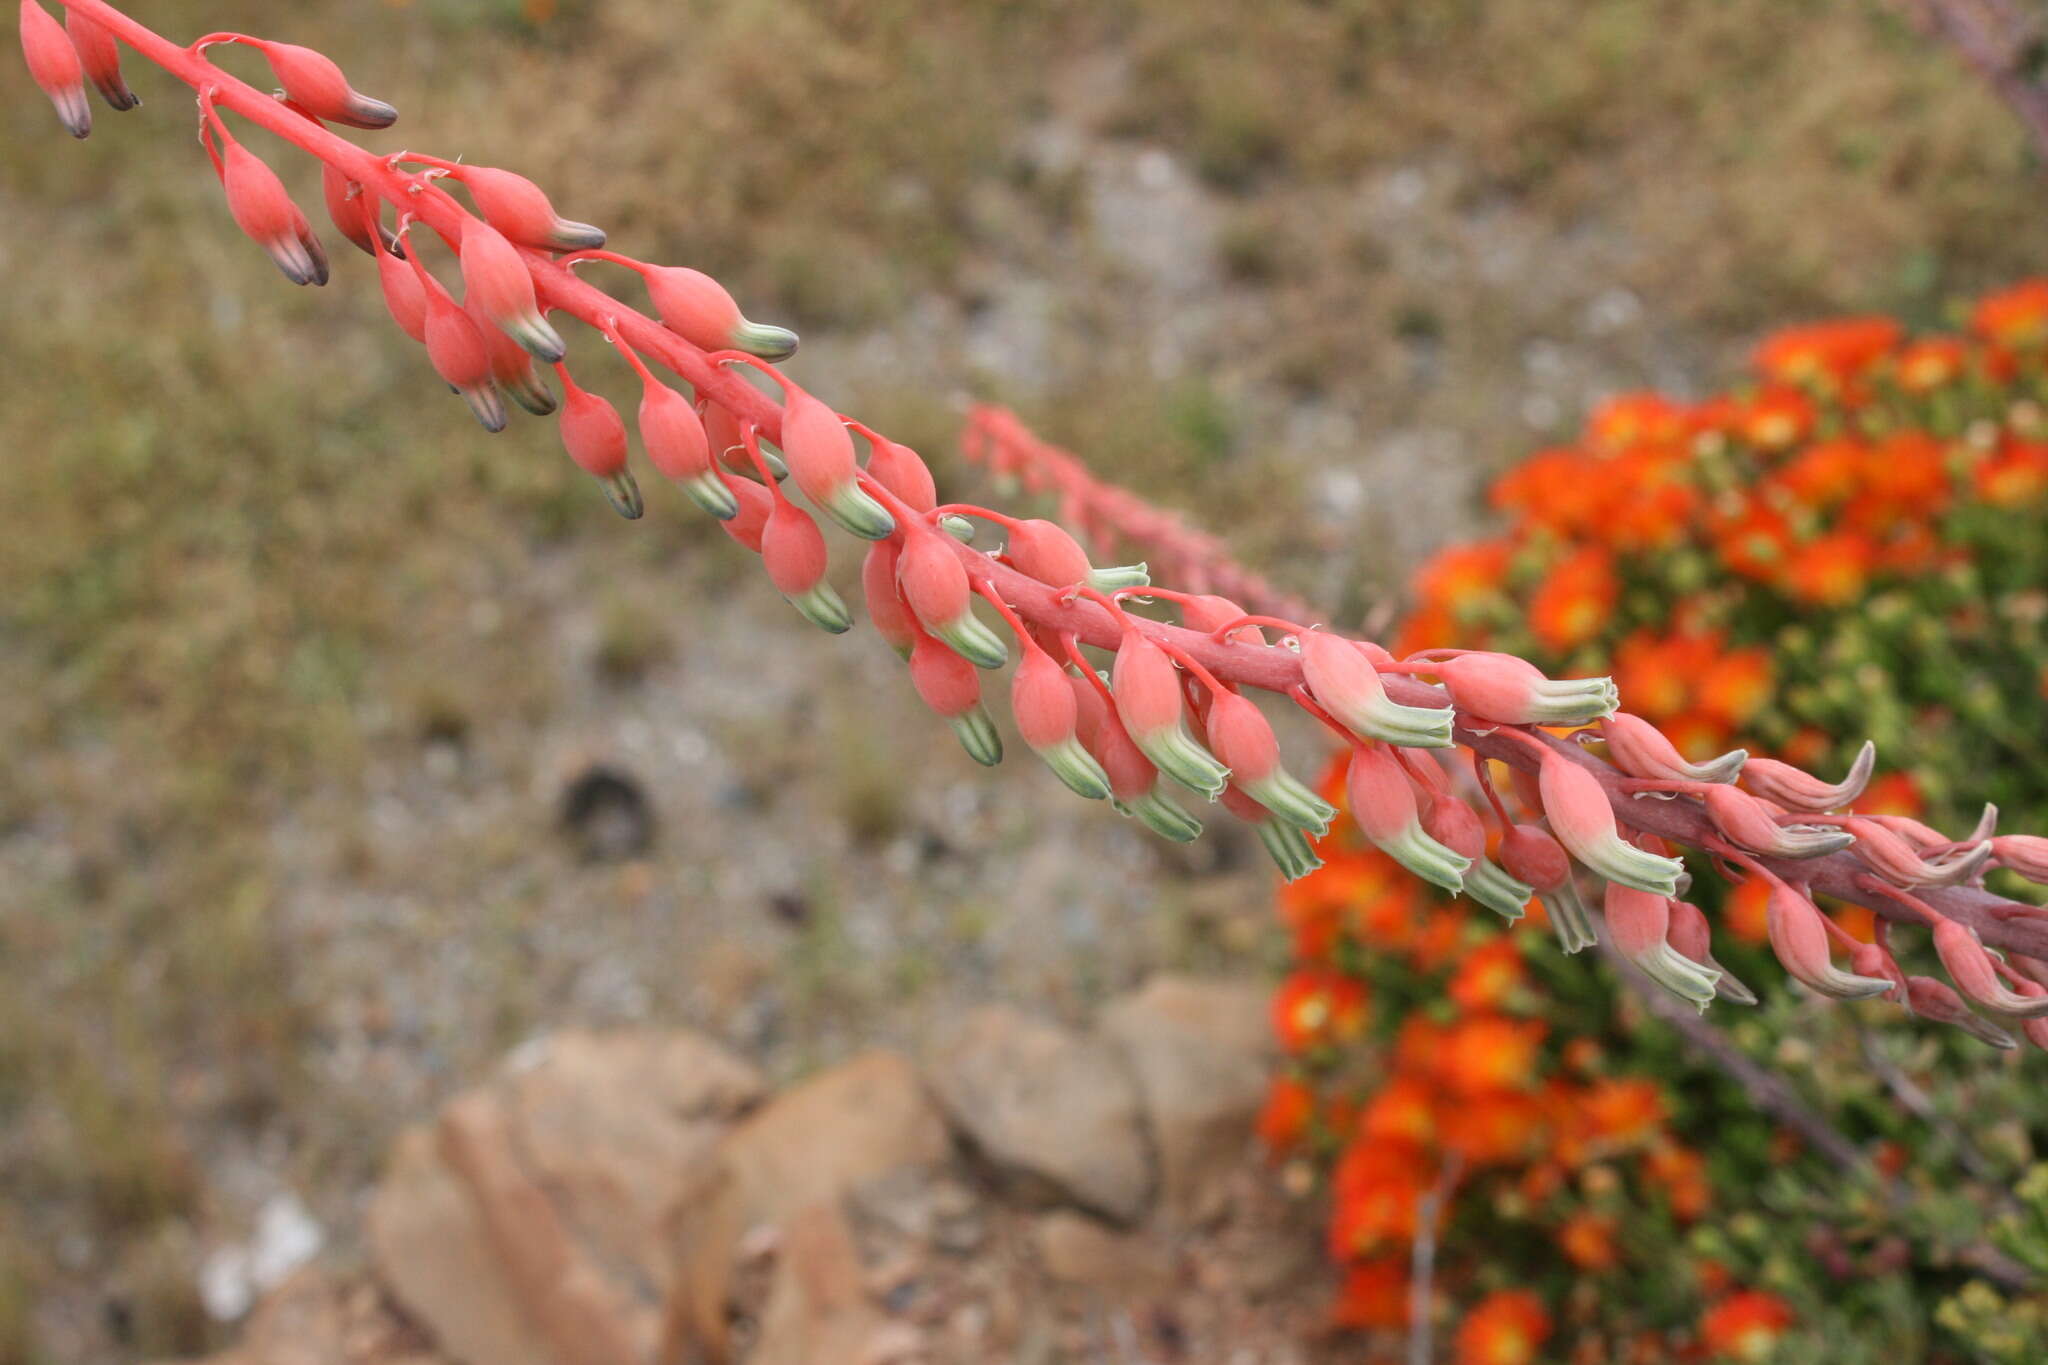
x,y
1341,676
1584,823
1383,804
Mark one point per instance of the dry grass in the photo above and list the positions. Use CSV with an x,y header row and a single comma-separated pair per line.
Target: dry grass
x,y
256,563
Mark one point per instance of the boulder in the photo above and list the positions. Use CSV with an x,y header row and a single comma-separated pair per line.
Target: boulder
x,y
1049,1109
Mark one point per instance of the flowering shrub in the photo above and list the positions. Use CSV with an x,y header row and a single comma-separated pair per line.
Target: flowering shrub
x,y
1856,535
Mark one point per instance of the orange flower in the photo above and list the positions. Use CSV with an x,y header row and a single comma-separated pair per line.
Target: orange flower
x,y
1460,575
1894,793
1559,490
1622,1109
1488,1053
2016,317
1930,363
1575,600
1390,919
1316,1007
1745,1326
1377,1187
1507,1328
1375,1294
1629,419
1776,419
1735,686
1830,570
1442,935
1403,1110
2016,474
1695,734
1315,906
1682,1173
1823,474
1754,541
1284,1118
1488,975
1493,1127
1826,354
1656,675
1744,913
1907,475
1587,1240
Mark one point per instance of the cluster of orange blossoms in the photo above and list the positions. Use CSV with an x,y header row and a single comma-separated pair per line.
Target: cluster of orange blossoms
x,y
1471,1090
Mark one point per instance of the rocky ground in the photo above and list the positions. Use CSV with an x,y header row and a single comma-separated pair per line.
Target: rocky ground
x,y
1022,1191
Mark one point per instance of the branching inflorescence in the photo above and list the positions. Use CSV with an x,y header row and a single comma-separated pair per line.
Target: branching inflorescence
x,y
1171,714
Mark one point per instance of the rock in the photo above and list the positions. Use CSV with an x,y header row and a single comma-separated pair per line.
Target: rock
x,y
818,1309
1078,1250
1201,1052
809,1146
1047,1107
319,1317
527,1226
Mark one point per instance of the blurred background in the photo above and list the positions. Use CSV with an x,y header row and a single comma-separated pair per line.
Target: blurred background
x,y
347,746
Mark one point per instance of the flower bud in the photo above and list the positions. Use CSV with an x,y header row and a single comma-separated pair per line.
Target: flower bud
x,y
1532,855
1796,790
1584,823
1457,827
100,56
512,367
261,208
1931,999
518,208
886,608
793,551
404,296
496,280
1243,742
1044,551
352,212
1639,927
1974,973
595,438
1047,715
2025,854
316,84
1283,840
819,451
1748,824
948,685
1210,613
1691,937
1341,677
455,346
899,469
1383,804
1799,937
1146,685
54,64
699,310
934,583
1133,781
750,522
1500,687
676,445
1892,858
1640,749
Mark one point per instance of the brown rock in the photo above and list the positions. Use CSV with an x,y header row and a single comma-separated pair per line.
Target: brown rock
x,y
818,1309
319,1317
1202,1054
1078,1250
807,1147
1047,1106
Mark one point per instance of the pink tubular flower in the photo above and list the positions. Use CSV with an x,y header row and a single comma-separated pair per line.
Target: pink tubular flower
x,y
750,523
100,56
496,280
1584,823
899,469
316,84
1692,937
697,308
353,215
1146,685
2025,854
1892,858
676,445
1974,973
595,438
1639,927
1457,827
54,64
1383,804
819,452
1284,841
1931,999
948,685
886,608
455,345
1344,681
1243,742
1532,855
1133,780
512,368
1799,937
404,296
934,583
1047,715
793,552
1640,749
1501,687
518,208
1797,790
1045,551
1749,824
261,208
